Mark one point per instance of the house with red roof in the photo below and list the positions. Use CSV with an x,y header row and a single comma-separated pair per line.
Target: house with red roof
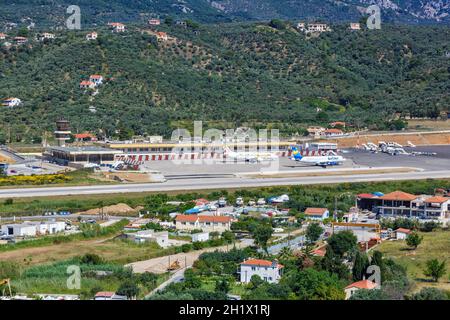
x,y
85,137
363,284
96,79
333,133
402,233
117,26
11,102
3,36
108,295
206,223
269,271
87,84
162,36
403,204
317,213
20,40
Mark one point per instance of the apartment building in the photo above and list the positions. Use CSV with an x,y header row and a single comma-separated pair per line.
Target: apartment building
x,y
203,222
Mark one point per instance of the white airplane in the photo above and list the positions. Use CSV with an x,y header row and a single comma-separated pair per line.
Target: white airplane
x,y
323,161
250,156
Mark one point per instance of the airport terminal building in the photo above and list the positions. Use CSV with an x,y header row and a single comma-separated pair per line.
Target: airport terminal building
x,y
82,155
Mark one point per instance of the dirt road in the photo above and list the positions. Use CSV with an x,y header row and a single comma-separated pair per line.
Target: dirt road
x,y
160,265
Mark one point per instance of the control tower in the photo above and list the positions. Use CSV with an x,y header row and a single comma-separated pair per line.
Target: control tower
x,y
62,133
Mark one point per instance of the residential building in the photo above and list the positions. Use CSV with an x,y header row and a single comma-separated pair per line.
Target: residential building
x,y
162,36
315,131
12,102
87,84
363,284
103,295
96,79
203,222
355,26
85,137
338,124
161,238
402,234
270,271
92,36
46,36
19,230
154,22
33,229
20,40
200,237
117,26
313,27
402,204
317,213
51,227
3,36
333,133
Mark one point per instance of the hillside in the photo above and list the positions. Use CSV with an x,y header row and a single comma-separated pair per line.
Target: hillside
x,y
53,12
241,73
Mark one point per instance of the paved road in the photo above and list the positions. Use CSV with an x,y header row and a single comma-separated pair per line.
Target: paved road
x,y
215,183
174,278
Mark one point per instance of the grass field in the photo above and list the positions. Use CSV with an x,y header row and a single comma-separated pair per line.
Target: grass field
x,y
434,245
117,251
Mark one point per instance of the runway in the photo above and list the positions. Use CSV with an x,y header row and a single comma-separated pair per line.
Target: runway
x,y
194,183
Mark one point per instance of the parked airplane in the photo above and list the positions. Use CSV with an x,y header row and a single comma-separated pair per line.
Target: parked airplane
x,y
323,161
250,156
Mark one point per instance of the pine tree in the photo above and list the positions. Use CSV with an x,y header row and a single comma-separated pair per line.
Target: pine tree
x,y
360,266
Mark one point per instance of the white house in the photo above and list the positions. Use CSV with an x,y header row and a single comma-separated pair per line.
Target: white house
x,y
363,284
96,79
269,271
162,36
161,238
402,234
87,85
154,22
19,230
104,295
92,36
200,237
204,223
12,102
317,213
51,227
46,35
2,36
355,26
117,26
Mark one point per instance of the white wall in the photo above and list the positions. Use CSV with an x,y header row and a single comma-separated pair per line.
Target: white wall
x,y
269,274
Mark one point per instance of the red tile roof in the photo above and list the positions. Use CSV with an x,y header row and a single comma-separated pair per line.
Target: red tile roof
x,y
363,284
86,83
96,76
214,219
403,230
105,294
399,196
337,131
315,211
436,199
261,263
186,218
366,196
84,135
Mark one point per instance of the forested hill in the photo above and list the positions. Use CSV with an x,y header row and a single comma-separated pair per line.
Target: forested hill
x,y
244,73
53,12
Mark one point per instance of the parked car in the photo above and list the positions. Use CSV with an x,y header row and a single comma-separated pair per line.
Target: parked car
x,y
239,202
261,202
